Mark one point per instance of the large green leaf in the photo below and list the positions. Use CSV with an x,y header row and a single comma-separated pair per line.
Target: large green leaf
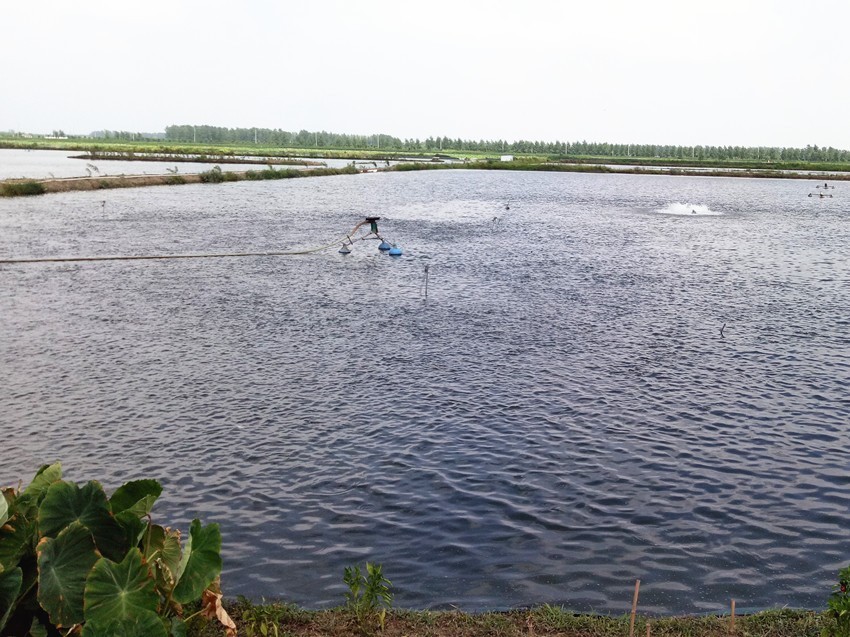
x,y
200,564
64,563
44,477
164,545
133,526
10,586
162,552
4,506
65,503
17,539
119,591
147,624
136,497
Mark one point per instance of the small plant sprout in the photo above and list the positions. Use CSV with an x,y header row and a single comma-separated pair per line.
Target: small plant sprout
x,y
368,595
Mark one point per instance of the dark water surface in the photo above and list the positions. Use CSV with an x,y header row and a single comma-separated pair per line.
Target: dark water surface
x,y
560,417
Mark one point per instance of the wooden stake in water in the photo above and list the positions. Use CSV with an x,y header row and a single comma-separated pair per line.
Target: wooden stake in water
x,y
732,619
634,609
426,281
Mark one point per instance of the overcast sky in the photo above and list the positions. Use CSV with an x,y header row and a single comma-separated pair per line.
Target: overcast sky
x,y
718,72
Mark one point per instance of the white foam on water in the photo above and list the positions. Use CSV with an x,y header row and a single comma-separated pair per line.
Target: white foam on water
x,y
689,210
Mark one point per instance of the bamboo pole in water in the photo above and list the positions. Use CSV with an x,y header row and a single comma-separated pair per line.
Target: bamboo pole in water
x,y
634,609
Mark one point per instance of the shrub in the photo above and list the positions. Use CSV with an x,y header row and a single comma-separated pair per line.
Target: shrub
x,y
21,188
72,558
213,176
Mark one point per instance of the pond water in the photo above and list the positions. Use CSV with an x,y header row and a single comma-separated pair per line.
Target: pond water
x,y
612,377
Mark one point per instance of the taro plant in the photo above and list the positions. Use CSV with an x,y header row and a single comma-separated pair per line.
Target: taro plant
x,y
839,605
75,562
368,596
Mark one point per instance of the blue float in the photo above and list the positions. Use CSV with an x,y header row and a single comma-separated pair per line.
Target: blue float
x,y
384,246
395,252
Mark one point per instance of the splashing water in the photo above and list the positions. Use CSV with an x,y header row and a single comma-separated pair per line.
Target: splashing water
x,y
689,209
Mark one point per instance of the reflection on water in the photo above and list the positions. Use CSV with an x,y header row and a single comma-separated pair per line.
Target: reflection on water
x,y
560,417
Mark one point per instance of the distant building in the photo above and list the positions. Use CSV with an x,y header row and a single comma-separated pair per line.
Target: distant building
x,y
507,157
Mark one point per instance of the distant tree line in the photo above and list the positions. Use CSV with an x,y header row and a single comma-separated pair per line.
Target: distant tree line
x,y
323,139
124,135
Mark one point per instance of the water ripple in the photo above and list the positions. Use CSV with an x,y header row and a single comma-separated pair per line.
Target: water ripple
x,y
562,416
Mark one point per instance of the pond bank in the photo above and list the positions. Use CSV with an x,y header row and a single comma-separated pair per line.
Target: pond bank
x,y
551,621
194,158
24,187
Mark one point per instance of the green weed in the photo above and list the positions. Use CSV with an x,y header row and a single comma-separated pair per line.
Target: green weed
x,y
368,596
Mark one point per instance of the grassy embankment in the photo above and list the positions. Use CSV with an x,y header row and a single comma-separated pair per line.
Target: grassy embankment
x,y
155,151
550,621
183,148
226,150
131,155
564,166
23,187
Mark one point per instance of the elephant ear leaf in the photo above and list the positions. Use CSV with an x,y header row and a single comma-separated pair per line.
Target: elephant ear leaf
x,y
200,563
4,508
147,624
16,541
65,503
133,526
123,591
136,497
162,552
10,587
64,563
44,477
